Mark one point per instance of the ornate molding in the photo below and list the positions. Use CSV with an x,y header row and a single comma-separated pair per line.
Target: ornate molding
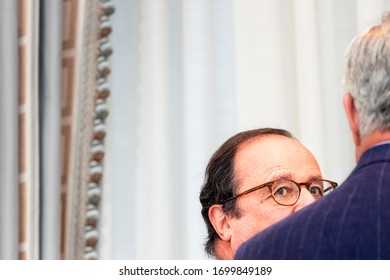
x,y
101,93
94,91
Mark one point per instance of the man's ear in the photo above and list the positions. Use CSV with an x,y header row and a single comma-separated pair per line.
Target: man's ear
x,y
352,116
220,222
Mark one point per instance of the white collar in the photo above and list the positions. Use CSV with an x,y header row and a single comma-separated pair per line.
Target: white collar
x,y
381,143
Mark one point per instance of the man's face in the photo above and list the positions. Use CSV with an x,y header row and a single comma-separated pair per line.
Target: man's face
x,y
264,159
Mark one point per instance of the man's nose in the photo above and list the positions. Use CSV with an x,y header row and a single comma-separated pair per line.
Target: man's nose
x,y
305,199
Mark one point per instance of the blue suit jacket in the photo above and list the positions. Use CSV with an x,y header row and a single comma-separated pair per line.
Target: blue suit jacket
x,y
352,222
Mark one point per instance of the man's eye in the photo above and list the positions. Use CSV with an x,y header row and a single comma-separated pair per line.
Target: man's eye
x,y
282,191
317,191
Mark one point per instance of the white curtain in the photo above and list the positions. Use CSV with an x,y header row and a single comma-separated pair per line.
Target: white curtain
x,y
186,75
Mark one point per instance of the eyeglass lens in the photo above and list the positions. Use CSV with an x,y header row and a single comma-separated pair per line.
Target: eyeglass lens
x,y
287,192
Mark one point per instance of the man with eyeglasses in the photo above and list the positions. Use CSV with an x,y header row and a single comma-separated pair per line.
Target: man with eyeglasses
x,y
353,222
256,178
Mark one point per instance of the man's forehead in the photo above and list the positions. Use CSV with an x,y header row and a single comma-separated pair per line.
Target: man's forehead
x,y
266,143
269,155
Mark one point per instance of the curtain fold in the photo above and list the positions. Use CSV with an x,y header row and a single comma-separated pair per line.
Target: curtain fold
x,y
152,111
118,235
199,99
308,76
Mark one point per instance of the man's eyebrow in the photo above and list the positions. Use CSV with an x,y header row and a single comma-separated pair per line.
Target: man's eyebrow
x,y
290,177
313,178
282,176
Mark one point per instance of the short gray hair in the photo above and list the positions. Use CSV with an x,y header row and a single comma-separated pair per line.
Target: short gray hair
x,y
367,76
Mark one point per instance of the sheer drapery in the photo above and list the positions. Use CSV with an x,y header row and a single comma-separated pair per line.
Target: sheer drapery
x,y
189,74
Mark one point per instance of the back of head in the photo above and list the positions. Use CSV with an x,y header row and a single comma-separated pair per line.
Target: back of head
x,y
367,76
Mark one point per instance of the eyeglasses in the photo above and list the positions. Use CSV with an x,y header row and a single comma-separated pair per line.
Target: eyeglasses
x,y
287,192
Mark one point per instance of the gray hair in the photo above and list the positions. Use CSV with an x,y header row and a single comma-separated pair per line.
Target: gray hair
x,y
367,76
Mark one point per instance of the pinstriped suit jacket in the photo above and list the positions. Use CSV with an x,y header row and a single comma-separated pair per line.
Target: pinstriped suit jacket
x,y
353,222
